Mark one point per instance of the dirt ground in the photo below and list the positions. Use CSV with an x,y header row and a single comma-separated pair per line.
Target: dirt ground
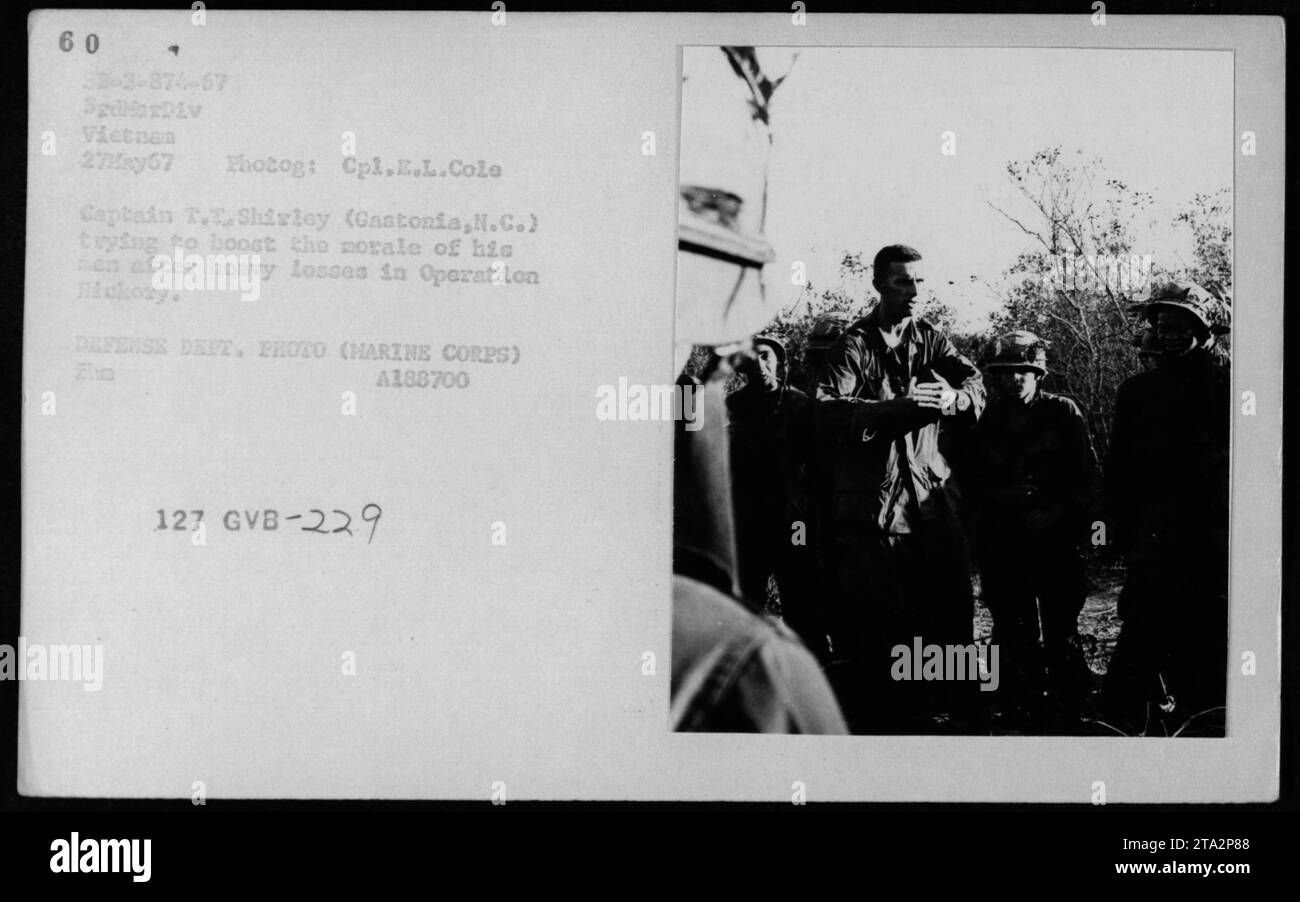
x,y
1098,624
1099,629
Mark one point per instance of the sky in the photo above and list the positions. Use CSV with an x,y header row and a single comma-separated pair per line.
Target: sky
x,y
856,158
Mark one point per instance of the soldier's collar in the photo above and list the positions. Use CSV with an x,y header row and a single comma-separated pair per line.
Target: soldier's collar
x,y
869,325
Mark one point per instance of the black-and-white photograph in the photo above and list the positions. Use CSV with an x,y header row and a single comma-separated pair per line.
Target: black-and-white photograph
x,y
496,407
957,325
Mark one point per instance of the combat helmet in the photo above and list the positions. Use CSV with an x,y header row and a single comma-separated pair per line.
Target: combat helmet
x,y
775,344
1209,311
825,331
1018,350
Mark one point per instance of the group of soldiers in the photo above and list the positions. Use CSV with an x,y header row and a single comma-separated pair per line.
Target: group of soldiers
x,y
865,497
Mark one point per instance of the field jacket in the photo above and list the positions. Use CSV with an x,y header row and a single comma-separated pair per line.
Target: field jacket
x,y
771,433
1040,464
1167,469
889,475
736,672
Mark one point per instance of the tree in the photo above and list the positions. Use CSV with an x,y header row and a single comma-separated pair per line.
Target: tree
x,y
1057,289
1076,215
1209,218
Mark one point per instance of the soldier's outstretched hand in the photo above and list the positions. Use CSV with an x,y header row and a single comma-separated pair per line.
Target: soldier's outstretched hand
x,y
937,395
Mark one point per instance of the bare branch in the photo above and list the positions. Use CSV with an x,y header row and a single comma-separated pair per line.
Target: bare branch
x,y
1032,234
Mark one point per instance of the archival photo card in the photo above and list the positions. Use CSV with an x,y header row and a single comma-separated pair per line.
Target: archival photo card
x,y
514,406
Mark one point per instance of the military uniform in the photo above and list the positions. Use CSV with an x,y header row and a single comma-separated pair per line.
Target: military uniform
x,y
820,481
771,432
1033,473
899,551
1167,500
734,671
1167,496
731,670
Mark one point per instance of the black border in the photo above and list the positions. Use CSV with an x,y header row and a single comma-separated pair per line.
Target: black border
x,y
980,844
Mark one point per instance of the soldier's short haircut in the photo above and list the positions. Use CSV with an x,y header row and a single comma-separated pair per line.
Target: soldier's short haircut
x,y
893,253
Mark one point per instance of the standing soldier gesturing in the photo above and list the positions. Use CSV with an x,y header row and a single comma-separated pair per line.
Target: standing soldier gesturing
x,y
901,562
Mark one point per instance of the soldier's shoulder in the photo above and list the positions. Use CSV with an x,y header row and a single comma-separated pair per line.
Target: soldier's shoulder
x,y
734,669
740,404
928,331
855,332
1138,383
926,327
852,341
710,617
782,668
704,612
1062,403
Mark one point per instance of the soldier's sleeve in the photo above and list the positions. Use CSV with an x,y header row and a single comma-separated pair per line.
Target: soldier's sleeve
x,y
964,376
1079,470
799,425
781,689
842,416
977,482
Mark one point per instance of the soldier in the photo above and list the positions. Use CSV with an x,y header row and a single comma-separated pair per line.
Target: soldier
x,y
1166,491
900,554
825,332
732,670
1146,342
1148,350
771,431
826,329
1033,471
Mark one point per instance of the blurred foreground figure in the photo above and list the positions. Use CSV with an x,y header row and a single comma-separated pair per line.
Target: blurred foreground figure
x,y
1034,469
770,435
901,562
1167,498
732,670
